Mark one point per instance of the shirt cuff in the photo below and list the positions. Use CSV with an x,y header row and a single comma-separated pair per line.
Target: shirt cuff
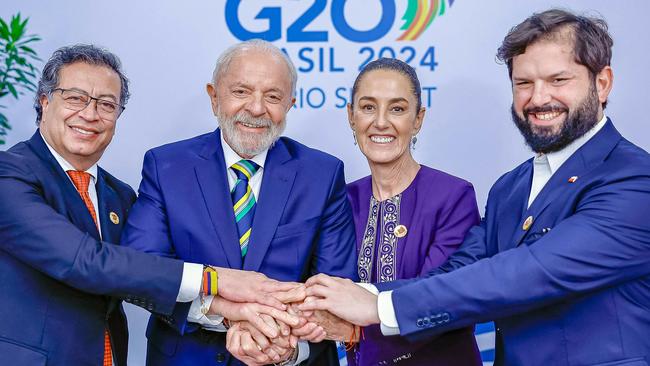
x,y
386,312
209,322
303,352
369,287
191,282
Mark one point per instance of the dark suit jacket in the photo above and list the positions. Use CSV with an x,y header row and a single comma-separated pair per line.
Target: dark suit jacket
x,y
302,226
572,289
56,276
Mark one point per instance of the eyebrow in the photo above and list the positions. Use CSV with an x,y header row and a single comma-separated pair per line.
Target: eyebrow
x,y
563,73
247,86
101,96
392,100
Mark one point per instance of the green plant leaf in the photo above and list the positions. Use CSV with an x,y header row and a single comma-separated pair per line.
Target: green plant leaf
x,y
29,39
17,28
12,90
27,50
4,30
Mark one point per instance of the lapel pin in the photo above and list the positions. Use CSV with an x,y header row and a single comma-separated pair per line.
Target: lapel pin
x,y
573,179
527,223
114,218
400,231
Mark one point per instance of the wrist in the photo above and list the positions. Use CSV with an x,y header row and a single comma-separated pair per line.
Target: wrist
x,y
223,307
293,357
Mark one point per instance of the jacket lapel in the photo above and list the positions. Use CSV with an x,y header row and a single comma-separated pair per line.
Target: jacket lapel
x,y
211,175
592,153
279,175
514,205
109,203
75,208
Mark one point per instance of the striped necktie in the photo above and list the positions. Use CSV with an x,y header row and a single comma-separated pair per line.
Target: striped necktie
x,y
81,181
243,201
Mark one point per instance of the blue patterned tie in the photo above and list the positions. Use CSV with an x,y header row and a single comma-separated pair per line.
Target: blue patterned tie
x,y
243,201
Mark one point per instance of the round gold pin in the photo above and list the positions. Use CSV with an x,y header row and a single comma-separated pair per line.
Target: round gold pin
x,y
573,179
114,218
400,231
527,223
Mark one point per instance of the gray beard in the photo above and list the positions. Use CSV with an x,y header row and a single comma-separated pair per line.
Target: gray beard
x,y
249,144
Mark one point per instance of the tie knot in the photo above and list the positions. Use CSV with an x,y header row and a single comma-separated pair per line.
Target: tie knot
x,y
80,179
245,169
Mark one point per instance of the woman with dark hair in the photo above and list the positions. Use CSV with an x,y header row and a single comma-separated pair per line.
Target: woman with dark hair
x,y
408,217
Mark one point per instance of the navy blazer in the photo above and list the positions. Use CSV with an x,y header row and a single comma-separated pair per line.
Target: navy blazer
x,y
56,275
571,288
302,226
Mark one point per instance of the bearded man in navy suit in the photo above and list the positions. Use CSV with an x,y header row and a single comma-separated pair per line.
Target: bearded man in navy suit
x,y
61,278
243,197
561,260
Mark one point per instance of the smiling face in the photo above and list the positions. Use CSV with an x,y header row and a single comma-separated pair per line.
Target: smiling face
x,y
384,116
251,101
80,137
555,99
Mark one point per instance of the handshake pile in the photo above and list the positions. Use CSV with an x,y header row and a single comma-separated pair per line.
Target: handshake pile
x,y
266,318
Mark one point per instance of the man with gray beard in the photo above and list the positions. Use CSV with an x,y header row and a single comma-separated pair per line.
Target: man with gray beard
x,y
243,197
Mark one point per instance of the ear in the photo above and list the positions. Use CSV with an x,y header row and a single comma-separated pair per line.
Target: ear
x,y
212,93
419,119
45,103
604,83
293,102
350,116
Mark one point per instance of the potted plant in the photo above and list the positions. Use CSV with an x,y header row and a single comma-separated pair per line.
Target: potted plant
x,y
17,73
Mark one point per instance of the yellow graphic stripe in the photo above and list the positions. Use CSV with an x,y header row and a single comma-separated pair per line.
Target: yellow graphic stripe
x,y
424,15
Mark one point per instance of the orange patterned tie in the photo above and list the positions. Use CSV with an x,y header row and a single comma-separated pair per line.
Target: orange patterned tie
x,y
81,180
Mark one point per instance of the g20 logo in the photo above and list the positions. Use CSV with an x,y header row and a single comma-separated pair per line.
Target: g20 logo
x,y
417,18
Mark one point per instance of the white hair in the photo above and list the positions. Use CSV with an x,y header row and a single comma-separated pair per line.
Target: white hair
x,y
224,60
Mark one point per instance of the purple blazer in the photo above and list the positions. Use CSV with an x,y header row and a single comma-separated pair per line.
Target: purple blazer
x,y
437,210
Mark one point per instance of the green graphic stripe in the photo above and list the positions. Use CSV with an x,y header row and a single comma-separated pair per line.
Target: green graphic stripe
x,y
409,15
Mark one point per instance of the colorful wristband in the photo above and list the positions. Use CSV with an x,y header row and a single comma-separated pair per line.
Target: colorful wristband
x,y
210,281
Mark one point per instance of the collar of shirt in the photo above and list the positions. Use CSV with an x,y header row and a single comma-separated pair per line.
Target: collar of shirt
x,y
557,158
545,165
65,165
92,190
231,157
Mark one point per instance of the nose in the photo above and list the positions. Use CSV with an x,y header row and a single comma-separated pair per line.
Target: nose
x,y
256,106
90,112
381,120
541,95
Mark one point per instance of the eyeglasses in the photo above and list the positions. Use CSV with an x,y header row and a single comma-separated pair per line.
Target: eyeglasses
x,y
77,100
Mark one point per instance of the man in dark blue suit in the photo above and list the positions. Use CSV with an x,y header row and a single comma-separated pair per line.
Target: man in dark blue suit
x,y
61,279
561,260
242,197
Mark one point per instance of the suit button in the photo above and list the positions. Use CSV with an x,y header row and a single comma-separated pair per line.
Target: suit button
x,y
426,321
419,323
446,317
220,357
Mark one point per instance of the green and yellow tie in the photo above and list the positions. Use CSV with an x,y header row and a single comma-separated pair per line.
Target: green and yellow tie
x,y
243,201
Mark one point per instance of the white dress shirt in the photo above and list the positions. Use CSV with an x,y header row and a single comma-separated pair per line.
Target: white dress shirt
x,y
215,322
192,272
544,166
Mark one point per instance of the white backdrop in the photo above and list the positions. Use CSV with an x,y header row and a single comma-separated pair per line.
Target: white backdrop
x,y
169,48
